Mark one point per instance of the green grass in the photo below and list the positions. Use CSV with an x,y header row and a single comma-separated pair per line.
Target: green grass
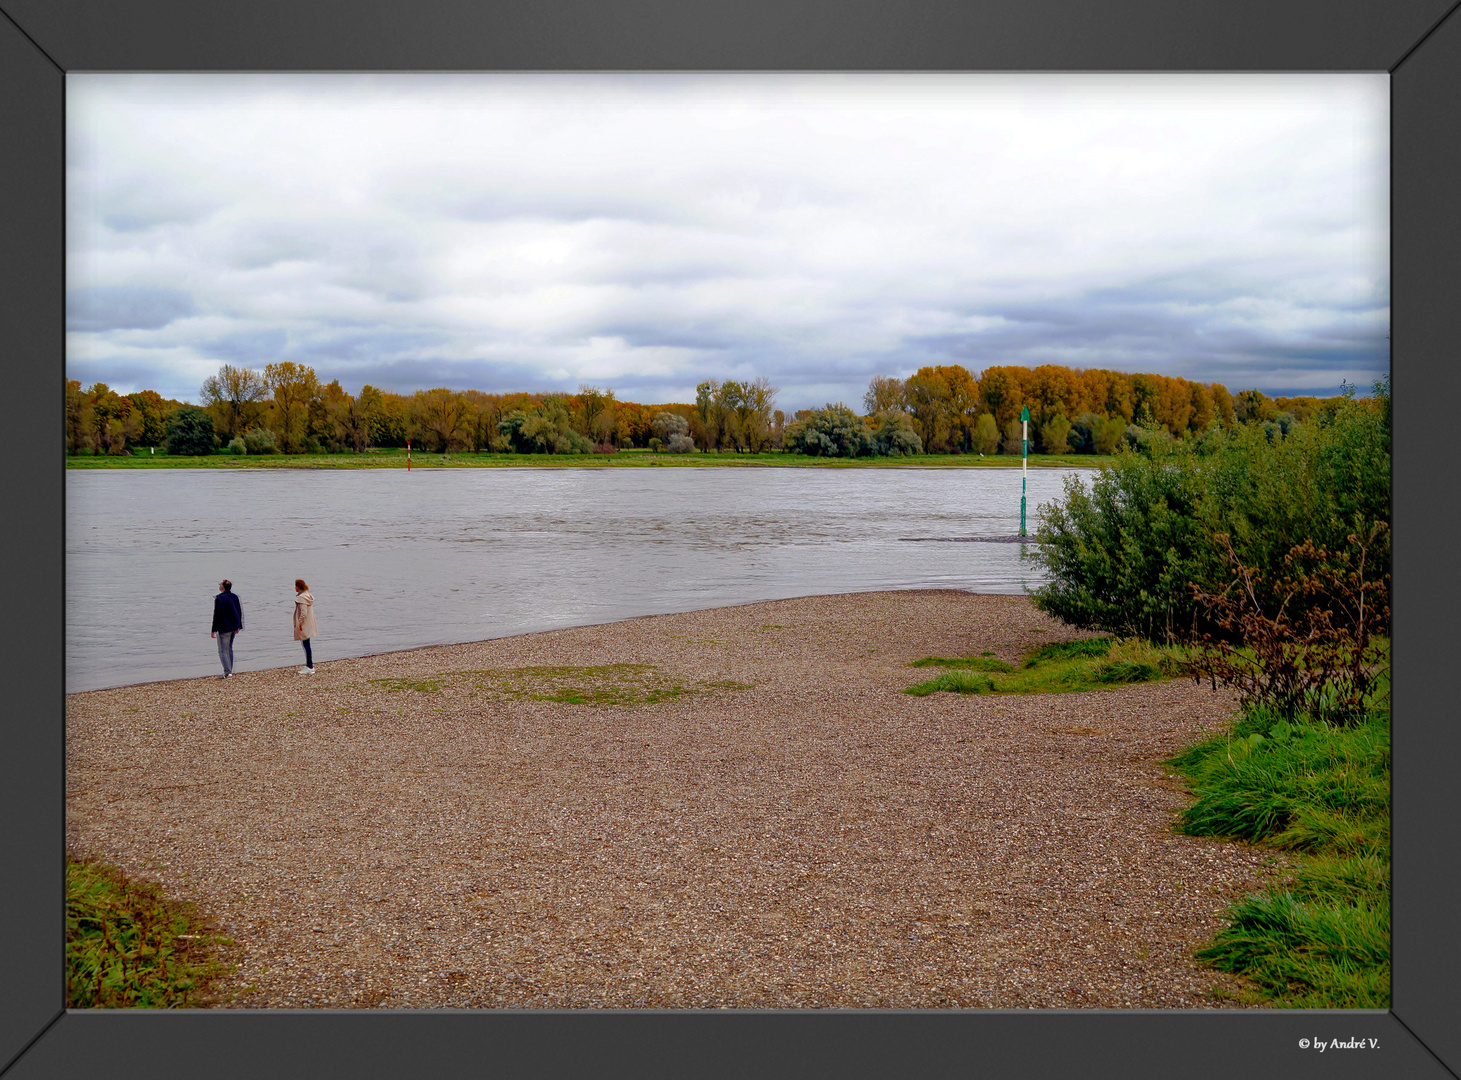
x,y
128,946
607,684
1321,937
1059,668
396,459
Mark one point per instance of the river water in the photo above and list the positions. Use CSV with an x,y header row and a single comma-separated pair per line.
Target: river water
x,y
397,560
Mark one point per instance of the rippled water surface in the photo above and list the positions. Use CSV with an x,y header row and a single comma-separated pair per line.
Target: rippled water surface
x,y
397,559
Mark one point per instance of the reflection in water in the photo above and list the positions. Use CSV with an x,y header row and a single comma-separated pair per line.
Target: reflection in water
x,y
399,559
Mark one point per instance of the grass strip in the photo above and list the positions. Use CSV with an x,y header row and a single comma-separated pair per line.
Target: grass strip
x,y
1063,667
1321,938
606,684
129,947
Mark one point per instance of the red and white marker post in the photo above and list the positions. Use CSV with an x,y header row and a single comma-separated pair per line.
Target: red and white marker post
x,y
408,455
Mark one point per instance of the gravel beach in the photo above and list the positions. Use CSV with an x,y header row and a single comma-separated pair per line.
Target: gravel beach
x,y
727,808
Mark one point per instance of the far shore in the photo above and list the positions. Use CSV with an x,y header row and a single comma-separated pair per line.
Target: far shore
x,y
396,459
737,807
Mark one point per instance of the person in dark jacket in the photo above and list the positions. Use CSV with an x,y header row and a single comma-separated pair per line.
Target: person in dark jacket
x,y
227,621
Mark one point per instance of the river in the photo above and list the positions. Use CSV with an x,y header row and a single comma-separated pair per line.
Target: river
x,y
397,560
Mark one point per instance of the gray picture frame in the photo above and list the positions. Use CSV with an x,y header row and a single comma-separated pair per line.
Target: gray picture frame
x,y
1417,41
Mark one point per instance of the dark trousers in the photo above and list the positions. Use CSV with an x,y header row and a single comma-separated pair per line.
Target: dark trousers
x,y
309,657
225,650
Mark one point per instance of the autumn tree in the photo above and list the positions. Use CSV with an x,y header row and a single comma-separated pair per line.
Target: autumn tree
x,y
152,413
236,398
884,393
707,412
745,413
443,416
293,387
80,421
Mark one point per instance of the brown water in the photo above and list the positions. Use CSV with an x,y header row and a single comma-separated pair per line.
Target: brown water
x,y
397,559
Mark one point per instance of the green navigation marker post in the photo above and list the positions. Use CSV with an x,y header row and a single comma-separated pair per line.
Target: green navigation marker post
x,y
1024,461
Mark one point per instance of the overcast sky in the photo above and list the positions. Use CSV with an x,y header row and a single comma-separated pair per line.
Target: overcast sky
x,y
644,233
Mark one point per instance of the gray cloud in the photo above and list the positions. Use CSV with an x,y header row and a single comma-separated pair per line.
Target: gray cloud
x,y
125,307
644,233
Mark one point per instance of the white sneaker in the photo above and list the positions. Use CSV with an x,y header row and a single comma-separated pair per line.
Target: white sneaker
x,y
306,671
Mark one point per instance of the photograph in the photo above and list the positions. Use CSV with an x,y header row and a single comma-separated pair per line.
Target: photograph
x,y
728,541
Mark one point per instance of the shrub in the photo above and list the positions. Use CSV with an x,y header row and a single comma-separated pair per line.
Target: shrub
x,y
667,424
654,444
1316,653
1122,553
893,434
571,442
833,431
260,441
237,446
680,444
190,432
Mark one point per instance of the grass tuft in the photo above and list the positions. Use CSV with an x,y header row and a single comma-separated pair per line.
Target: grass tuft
x,y
128,946
1320,939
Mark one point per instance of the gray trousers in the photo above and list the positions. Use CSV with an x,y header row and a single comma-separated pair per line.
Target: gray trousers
x,y
225,650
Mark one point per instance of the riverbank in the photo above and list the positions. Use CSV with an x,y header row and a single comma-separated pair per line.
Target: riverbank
x,y
736,807
396,459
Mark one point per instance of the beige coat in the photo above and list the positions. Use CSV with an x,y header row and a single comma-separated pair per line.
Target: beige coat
x,y
304,616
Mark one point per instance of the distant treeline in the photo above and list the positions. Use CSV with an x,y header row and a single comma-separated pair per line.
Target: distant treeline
x,y
946,410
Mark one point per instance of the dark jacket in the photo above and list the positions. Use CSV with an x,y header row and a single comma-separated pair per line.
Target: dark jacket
x,y
227,613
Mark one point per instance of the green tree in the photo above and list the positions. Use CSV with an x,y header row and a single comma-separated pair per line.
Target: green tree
x,y
1107,436
1054,433
986,434
191,432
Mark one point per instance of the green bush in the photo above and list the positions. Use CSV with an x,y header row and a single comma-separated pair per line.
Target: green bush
x,y
1123,554
833,431
237,446
260,441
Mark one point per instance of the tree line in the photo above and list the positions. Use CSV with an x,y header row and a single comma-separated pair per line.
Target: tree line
x,y
943,410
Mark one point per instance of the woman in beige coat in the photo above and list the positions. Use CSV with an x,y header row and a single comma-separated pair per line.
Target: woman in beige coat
x,y
304,623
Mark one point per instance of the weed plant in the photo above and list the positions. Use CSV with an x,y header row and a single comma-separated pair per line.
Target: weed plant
x,y
1320,939
127,946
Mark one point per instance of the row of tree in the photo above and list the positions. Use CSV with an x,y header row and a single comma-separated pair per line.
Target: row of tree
x,y
946,409
1071,410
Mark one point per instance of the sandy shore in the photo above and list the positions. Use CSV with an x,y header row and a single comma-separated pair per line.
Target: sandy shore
x,y
744,810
